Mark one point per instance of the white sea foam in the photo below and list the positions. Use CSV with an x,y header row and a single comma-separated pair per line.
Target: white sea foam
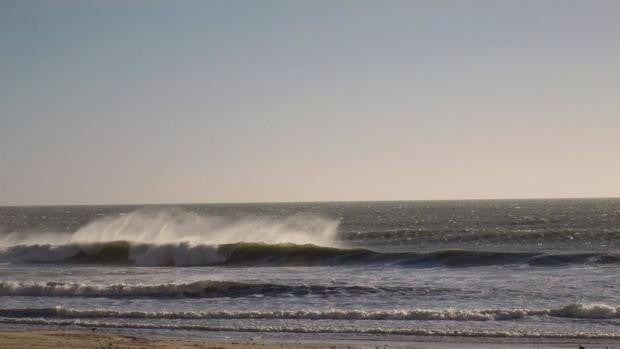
x,y
165,226
176,225
450,314
311,329
58,289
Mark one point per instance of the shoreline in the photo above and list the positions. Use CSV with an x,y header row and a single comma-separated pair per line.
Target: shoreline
x,y
26,338
72,338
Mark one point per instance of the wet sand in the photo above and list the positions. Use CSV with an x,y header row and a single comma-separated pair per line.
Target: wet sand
x,y
89,339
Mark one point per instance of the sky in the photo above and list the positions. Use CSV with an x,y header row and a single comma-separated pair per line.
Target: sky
x,y
148,101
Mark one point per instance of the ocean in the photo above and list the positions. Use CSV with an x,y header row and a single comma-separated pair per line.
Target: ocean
x,y
510,270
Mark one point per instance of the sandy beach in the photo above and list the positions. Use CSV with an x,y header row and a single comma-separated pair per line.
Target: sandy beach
x,y
87,339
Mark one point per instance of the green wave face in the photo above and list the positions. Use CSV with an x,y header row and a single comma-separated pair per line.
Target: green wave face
x,y
105,253
245,253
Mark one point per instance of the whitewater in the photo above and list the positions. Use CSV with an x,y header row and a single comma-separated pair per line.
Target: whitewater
x,y
514,269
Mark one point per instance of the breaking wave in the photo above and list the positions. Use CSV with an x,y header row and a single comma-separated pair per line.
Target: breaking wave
x,y
199,289
574,310
173,225
275,254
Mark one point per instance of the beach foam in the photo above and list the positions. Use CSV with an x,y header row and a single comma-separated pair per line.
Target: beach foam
x,y
574,310
314,329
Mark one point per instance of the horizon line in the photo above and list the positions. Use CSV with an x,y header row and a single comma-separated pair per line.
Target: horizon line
x,y
309,201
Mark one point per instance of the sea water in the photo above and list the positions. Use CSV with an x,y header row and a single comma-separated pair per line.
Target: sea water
x,y
510,269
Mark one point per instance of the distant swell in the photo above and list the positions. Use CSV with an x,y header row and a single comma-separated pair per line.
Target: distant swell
x,y
263,254
574,310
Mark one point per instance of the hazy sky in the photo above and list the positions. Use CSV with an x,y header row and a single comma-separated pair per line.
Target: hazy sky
x,y
218,101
